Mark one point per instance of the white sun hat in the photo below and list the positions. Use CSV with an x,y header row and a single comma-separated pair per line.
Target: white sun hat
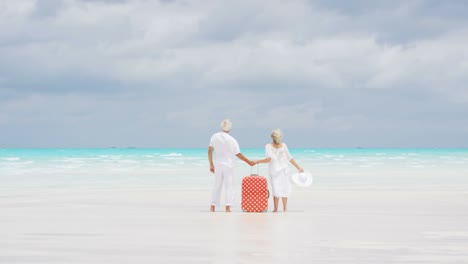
x,y
302,179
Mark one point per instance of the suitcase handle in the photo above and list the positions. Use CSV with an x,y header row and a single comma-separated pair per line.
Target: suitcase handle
x,y
258,170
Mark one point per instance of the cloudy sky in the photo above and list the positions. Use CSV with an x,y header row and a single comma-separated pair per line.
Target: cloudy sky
x,y
141,73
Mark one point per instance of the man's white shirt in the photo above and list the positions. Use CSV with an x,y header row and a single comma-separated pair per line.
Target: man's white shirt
x,y
225,147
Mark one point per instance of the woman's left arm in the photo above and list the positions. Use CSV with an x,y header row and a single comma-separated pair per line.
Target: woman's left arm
x,y
265,160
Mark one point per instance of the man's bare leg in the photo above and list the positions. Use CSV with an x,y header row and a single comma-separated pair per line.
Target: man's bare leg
x,y
212,208
228,208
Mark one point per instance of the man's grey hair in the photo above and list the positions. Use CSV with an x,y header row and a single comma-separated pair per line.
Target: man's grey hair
x,y
226,125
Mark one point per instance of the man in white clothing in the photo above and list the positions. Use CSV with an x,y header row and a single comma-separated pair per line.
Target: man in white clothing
x,y
225,148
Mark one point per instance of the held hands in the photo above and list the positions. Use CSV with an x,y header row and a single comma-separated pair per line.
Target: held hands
x,y
255,162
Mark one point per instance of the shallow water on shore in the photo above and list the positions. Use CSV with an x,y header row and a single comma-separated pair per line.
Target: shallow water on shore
x,y
137,207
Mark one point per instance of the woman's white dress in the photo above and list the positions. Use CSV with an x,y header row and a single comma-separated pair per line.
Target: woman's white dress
x,y
279,169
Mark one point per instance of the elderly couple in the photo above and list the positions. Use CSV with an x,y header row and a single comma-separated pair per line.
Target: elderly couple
x,y
226,147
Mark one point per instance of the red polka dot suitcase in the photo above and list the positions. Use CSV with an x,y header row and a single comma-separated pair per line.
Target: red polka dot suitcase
x,y
254,194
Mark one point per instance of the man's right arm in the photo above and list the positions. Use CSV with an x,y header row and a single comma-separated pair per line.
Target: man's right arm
x,y
246,160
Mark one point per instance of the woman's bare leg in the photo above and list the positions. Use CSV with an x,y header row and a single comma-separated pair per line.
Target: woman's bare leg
x,y
275,203
285,203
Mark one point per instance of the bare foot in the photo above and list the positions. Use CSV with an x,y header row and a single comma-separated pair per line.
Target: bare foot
x,y
228,209
212,208
275,211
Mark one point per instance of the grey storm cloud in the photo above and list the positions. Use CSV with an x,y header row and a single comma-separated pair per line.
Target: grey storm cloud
x,y
364,73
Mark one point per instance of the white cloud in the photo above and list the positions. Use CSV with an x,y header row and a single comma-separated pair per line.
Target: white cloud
x,y
313,60
438,65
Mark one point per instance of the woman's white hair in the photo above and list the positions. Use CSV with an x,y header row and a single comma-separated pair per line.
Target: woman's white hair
x,y
226,125
277,135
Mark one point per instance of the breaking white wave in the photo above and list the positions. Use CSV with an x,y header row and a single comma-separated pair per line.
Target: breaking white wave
x,y
11,158
172,154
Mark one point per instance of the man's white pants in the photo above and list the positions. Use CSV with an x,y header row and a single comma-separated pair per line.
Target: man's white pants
x,y
223,176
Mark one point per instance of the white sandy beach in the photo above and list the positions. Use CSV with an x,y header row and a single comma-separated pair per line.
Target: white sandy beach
x,y
145,223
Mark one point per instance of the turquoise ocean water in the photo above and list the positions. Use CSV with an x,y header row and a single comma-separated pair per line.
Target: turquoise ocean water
x,y
190,166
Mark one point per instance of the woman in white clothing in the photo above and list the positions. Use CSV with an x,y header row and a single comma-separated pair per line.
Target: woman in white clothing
x,y
278,159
